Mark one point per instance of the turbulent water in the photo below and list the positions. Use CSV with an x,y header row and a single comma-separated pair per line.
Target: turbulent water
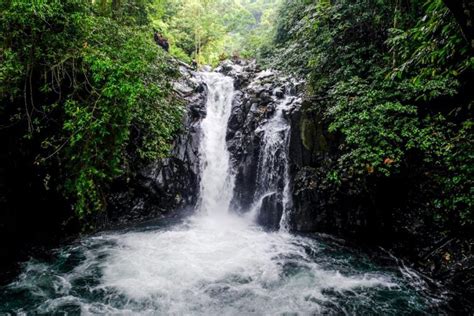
x,y
215,263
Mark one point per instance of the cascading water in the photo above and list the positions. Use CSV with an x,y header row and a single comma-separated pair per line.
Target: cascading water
x,y
214,263
273,173
217,183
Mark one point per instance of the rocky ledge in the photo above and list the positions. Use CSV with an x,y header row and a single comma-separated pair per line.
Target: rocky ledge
x,y
169,184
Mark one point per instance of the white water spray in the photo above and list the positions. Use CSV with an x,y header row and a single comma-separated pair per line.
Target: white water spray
x,y
217,181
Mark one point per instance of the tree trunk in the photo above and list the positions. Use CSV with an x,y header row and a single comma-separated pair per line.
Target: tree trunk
x,y
115,7
463,12
103,5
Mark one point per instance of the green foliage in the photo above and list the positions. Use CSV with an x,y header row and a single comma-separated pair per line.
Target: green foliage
x,y
425,50
365,116
394,80
449,149
211,30
90,86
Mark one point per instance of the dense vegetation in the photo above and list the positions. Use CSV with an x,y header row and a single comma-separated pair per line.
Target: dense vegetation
x,y
213,30
83,89
393,80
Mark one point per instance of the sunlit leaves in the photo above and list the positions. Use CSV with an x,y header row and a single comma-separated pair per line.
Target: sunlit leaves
x,y
208,31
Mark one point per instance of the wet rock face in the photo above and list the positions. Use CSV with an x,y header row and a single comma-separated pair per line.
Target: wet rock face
x,y
316,204
258,94
168,184
320,204
173,183
272,211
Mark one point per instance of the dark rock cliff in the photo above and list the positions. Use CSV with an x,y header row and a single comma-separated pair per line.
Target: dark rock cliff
x,y
169,184
377,211
258,94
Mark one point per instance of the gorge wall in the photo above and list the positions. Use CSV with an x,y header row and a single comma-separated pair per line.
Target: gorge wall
x,y
169,184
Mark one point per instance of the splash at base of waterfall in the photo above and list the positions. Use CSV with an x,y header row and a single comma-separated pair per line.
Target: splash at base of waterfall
x,y
210,266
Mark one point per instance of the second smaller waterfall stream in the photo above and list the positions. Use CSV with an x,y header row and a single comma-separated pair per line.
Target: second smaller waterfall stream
x,y
273,174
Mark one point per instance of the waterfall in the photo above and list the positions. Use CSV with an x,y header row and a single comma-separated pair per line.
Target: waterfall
x,y
273,166
217,181
217,262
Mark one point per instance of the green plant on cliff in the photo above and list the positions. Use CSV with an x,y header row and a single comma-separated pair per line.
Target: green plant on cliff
x,y
83,89
394,79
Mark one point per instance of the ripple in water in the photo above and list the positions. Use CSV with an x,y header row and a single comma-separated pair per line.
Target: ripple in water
x,y
208,265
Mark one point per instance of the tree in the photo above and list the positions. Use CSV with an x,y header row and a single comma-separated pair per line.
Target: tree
x,y
463,11
208,30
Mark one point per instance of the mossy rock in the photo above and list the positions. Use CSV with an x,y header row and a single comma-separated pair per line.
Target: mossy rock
x,y
312,134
